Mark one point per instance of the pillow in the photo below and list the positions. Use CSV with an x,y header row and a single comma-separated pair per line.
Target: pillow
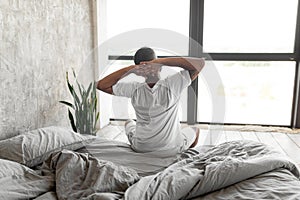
x,y
34,147
10,168
20,182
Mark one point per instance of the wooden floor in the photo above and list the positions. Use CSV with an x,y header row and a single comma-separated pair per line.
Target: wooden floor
x,y
287,143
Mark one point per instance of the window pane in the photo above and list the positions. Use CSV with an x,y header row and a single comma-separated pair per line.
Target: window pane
x,y
121,106
249,26
255,92
173,15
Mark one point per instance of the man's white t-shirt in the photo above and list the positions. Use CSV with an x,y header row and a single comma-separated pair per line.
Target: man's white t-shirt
x,y
157,125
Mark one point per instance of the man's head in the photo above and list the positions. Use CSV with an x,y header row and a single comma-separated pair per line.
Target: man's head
x,y
144,54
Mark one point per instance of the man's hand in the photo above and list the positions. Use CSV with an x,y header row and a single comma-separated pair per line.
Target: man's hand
x,y
193,65
146,69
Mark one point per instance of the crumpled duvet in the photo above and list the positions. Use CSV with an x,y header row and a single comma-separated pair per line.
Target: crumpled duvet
x,y
219,167
81,176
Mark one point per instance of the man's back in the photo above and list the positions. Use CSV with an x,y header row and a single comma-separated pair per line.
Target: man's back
x,y
157,126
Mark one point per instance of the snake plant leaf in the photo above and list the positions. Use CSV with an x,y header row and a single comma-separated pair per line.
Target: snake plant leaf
x,y
67,103
74,74
79,87
93,93
85,113
95,123
76,98
97,117
89,89
71,118
78,121
71,88
95,103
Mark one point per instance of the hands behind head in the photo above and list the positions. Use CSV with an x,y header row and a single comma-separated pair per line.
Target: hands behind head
x,y
147,69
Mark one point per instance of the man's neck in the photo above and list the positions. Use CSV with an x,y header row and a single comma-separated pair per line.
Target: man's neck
x,y
151,81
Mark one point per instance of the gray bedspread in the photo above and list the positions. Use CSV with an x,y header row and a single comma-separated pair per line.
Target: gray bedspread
x,y
228,171
81,176
121,153
278,184
222,166
232,170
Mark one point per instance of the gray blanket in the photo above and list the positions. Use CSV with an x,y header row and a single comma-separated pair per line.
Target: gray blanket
x,y
81,176
219,167
278,184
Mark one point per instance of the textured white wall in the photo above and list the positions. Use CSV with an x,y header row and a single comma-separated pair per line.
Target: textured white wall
x,y
39,41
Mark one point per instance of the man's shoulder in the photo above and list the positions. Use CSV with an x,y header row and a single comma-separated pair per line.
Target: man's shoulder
x,y
182,74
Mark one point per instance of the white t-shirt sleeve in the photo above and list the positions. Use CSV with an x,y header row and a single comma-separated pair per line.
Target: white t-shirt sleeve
x,y
179,81
124,89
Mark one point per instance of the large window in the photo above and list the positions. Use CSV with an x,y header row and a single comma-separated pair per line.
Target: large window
x,y
252,45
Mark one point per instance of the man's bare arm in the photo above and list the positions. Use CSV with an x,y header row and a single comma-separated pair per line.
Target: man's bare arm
x,y
193,65
107,82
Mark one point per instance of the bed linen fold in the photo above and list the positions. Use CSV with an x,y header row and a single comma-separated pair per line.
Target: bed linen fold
x,y
81,176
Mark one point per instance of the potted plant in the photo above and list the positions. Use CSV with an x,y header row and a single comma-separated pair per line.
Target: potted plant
x,y
84,107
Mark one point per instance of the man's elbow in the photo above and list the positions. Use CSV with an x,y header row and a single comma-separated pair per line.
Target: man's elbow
x,y
101,86
194,74
200,64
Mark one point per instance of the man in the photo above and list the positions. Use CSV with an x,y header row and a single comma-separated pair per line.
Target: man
x,y
156,101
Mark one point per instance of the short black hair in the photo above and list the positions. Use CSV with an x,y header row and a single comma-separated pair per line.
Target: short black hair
x,y
144,54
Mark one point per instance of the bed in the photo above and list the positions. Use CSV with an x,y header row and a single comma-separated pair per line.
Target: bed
x,y
56,163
